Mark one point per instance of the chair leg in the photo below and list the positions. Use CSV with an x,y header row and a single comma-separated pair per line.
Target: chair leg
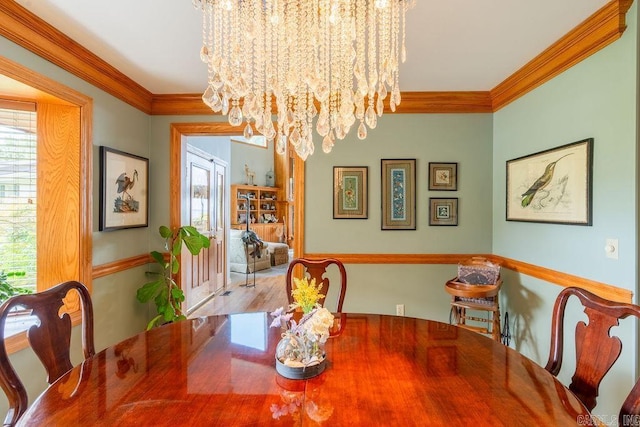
x,y
495,328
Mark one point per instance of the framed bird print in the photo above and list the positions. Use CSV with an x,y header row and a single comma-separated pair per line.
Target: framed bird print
x,y
124,190
553,186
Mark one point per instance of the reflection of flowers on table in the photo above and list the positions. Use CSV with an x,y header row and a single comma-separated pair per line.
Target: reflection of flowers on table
x,y
302,400
291,402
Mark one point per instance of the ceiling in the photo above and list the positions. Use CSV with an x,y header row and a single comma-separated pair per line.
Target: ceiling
x,y
452,45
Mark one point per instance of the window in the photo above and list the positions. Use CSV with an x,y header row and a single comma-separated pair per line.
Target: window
x,y
64,171
18,195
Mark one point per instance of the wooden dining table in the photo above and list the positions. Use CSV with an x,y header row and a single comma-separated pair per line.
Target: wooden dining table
x,y
381,370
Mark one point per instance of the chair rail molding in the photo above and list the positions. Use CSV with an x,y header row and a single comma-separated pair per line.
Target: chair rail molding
x,y
555,277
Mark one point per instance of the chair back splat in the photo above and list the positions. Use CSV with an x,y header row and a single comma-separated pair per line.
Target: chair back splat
x,y
50,338
316,269
596,350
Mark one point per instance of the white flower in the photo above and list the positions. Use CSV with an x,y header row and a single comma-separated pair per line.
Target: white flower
x,y
317,327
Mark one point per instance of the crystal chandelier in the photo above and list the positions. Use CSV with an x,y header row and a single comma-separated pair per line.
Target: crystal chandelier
x,y
329,61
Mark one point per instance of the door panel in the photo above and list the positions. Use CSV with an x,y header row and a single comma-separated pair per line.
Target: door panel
x,y
220,226
204,274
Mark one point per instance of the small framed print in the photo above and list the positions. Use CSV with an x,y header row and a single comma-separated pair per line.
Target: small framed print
x,y
443,211
350,191
443,176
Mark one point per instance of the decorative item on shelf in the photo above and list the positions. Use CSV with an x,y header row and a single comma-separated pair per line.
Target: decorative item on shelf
x,y
269,218
270,181
300,353
250,175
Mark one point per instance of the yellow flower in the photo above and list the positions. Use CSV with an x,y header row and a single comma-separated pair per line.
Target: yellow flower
x,y
306,295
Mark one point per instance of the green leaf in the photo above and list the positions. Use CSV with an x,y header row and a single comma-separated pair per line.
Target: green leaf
x,y
169,314
153,322
158,257
175,266
177,294
177,246
148,290
165,232
181,317
190,230
194,244
205,241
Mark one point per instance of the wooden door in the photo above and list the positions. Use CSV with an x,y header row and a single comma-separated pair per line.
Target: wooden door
x,y
204,274
220,226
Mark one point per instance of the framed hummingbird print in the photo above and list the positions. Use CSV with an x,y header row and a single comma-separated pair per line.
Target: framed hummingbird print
x,y
124,190
553,186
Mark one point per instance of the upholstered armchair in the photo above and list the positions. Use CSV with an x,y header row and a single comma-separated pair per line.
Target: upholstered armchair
x,y
240,258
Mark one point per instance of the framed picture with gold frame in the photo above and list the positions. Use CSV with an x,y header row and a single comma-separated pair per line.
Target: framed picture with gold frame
x,y
443,176
398,194
350,192
443,211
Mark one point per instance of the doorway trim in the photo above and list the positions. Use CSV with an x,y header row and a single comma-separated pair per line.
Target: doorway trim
x,y
180,130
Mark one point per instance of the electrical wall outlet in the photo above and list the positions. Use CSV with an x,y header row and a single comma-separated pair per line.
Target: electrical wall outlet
x,y
611,248
400,310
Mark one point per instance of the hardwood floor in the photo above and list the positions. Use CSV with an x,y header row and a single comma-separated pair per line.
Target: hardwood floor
x,y
268,295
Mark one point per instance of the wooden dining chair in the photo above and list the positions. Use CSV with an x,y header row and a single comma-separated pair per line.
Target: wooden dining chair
x,y
596,350
50,338
315,269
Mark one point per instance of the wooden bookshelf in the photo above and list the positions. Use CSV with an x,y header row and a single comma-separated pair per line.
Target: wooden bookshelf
x,y
256,204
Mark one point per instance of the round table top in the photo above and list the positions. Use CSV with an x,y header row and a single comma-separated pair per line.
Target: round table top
x,y
381,370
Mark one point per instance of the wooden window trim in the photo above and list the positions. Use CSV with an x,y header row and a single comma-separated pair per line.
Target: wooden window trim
x,y
65,119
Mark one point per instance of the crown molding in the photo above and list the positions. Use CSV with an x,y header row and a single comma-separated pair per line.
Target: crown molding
x,y
593,34
596,32
32,33
412,102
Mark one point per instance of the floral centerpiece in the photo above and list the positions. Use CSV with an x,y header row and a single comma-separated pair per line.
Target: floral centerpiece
x,y
300,352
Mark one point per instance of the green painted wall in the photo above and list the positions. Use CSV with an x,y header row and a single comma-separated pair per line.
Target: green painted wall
x,y
117,314
461,138
596,98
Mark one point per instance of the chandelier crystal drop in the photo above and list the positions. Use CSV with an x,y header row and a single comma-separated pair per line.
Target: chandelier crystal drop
x,y
332,62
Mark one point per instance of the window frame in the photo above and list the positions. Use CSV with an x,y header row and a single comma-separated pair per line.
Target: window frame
x,y
65,124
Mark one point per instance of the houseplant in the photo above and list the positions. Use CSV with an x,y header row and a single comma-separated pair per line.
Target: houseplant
x,y
164,290
6,289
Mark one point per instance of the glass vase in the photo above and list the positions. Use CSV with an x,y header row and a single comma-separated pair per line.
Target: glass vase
x,y
298,357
